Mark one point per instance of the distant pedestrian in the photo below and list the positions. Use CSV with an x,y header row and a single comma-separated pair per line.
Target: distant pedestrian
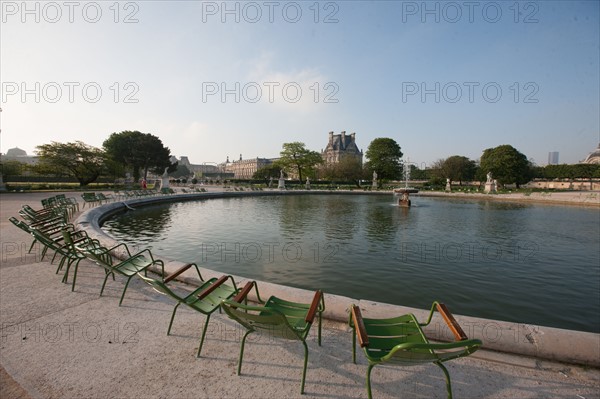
x,y
144,184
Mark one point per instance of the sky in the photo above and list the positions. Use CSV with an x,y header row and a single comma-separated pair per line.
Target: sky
x,y
218,79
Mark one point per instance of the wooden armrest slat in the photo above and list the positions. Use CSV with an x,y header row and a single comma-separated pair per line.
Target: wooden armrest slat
x,y
178,272
213,287
310,316
456,329
244,292
359,326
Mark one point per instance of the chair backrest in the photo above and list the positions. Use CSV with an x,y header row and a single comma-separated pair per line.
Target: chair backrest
x,y
261,320
160,287
100,255
19,224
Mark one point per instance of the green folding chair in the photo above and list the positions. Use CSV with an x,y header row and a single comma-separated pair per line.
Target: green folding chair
x,y
276,318
205,299
400,340
131,266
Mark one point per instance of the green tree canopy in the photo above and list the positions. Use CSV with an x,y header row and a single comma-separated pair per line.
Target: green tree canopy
x,y
383,157
506,164
296,158
565,171
455,168
266,172
77,159
348,169
140,152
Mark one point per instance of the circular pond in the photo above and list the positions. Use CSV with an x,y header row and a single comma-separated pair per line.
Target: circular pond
x,y
506,261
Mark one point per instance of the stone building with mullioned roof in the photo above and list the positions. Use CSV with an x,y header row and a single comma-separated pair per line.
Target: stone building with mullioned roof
x,y
340,146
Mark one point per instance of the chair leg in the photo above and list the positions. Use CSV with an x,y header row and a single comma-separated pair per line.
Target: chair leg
x,y
31,247
75,275
369,380
448,385
305,364
239,370
60,265
106,278
173,318
354,346
66,275
203,334
320,329
125,289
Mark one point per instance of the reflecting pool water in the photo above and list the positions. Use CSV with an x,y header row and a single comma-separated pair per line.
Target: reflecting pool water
x,y
523,263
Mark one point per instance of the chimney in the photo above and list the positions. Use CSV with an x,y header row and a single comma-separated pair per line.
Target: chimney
x,y
330,137
353,137
240,157
343,140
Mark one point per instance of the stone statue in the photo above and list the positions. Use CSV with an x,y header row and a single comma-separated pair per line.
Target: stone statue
x,y
375,185
270,181
281,183
491,184
165,180
307,183
448,185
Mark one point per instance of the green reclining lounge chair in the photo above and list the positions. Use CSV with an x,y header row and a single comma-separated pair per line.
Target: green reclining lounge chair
x,y
277,318
400,340
131,266
204,299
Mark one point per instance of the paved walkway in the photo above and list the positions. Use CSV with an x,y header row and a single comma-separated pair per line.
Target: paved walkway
x,y
63,344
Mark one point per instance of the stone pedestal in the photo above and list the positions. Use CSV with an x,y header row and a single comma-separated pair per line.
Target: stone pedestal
x,y
490,187
281,184
448,186
403,193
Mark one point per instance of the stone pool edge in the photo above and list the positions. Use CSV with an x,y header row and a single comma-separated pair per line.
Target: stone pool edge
x,y
551,343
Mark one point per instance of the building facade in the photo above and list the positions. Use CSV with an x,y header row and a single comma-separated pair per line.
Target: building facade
x,y
553,158
593,157
245,168
340,146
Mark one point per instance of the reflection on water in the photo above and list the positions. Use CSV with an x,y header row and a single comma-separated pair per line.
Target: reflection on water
x,y
523,263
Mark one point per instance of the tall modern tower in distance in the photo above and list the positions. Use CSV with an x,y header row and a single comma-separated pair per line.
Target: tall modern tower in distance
x,y
553,158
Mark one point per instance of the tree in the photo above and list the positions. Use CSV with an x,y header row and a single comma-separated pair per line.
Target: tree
x,y
348,169
296,158
506,164
78,160
383,157
14,168
266,172
139,151
455,168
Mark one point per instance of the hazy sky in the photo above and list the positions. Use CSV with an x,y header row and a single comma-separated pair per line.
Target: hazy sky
x,y
215,79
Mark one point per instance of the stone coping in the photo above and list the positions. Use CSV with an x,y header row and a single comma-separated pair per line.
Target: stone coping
x,y
551,343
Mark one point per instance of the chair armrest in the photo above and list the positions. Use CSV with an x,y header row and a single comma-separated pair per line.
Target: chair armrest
x,y
310,316
359,326
178,272
244,292
214,286
456,329
121,245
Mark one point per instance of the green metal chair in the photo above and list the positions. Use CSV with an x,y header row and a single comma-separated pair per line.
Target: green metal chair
x,y
129,267
205,299
75,242
400,340
276,318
